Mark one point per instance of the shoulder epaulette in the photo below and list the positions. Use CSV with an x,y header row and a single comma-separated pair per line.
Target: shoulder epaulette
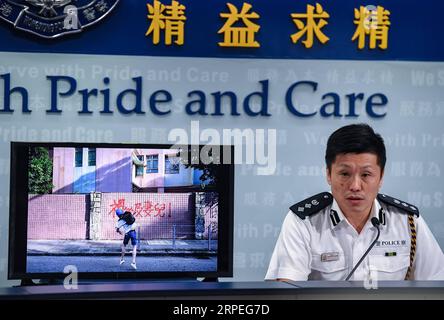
x,y
312,205
404,206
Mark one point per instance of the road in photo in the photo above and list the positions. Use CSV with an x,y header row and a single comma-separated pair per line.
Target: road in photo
x,y
42,264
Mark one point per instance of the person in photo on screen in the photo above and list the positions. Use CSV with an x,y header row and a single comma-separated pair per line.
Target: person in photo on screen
x,y
326,236
126,226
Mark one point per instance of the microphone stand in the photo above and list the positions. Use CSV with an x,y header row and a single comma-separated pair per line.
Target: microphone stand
x,y
375,222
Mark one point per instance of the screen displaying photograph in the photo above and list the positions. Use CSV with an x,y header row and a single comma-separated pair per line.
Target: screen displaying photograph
x,y
120,210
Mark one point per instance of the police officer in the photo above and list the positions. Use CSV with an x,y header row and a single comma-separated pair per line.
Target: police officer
x,y
325,236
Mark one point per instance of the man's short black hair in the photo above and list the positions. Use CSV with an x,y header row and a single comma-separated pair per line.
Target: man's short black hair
x,y
355,138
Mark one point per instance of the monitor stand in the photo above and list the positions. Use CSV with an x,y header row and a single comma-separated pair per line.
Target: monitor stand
x,y
31,282
26,283
210,279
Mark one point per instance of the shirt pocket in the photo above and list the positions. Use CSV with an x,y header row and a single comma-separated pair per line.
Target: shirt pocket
x,y
390,268
327,270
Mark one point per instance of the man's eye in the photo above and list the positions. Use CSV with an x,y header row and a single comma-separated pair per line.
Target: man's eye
x,y
344,174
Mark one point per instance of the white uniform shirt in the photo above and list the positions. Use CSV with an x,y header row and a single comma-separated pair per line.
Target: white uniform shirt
x,y
325,248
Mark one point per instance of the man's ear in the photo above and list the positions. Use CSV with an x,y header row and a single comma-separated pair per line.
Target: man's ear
x,y
382,179
328,176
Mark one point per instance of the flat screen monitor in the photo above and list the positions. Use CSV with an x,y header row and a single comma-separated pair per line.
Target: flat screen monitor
x,y
74,206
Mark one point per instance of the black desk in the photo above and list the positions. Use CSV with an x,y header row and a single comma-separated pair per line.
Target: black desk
x,y
270,290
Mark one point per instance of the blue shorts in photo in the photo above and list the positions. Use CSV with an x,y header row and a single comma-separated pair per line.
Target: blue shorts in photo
x,y
130,235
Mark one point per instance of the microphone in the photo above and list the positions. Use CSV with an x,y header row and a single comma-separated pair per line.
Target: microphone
x,y
375,222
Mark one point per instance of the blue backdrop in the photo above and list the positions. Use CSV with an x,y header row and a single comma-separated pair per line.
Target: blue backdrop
x,y
414,32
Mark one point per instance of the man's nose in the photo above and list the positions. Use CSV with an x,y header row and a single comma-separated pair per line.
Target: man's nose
x,y
355,183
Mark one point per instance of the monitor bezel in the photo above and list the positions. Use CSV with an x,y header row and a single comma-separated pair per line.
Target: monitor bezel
x,y
18,214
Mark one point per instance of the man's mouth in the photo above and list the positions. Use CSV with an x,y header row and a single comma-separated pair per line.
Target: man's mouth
x,y
355,198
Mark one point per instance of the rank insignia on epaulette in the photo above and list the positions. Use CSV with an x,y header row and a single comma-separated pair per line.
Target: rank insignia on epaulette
x,y
312,205
404,206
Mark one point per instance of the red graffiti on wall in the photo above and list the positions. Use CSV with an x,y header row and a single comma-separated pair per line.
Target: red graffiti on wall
x,y
138,210
119,204
148,209
156,209
159,210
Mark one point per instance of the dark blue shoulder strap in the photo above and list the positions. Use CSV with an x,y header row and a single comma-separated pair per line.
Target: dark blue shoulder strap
x,y
404,206
312,205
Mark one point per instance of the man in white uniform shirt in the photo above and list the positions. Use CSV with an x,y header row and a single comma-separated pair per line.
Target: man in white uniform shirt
x,y
325,236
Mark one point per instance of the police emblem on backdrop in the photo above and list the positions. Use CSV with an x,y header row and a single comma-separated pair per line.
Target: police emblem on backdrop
x,y
54,18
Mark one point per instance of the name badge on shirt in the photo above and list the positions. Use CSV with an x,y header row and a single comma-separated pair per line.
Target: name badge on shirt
x,y
330,256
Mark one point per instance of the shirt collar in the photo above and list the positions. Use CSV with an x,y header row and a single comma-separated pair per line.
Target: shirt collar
x,y
337,217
